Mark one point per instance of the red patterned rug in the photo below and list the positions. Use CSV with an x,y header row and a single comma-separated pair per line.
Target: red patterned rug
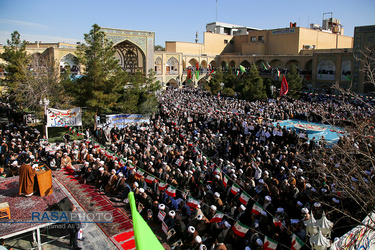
x,y
92,200
21,207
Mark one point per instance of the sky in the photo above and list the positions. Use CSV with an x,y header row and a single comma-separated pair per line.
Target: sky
x,y
68,21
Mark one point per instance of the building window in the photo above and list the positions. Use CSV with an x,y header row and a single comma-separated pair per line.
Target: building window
x,y
225,41
260,38
253,38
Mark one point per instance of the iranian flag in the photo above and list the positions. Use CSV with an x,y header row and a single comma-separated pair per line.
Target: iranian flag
x,y
139,173
217,171
240,229
225,180
235,189
171,191
149,179
297,243
276,222
244,198
178,162
108,154
131,166
193,203
218,217
162,185
121,163
269,244
256,209
96,145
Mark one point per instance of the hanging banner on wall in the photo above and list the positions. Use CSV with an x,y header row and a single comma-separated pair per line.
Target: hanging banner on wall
x,y
62,118
121,120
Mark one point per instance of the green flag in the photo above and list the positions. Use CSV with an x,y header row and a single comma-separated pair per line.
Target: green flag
x,y
242,69
145,239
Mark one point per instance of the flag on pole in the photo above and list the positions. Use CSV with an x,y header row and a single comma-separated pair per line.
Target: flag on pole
x,y
96,145
268,65
257,208
197,71
139,173
121,162
235,189
193,203
242,69
244,198
143,235
264,66
240,229
278,73
269,244
189,74
131,166
225,180
162,185
284,87
108,154
217,170
212,71
297,243
276,222
149,179
218,217
171,191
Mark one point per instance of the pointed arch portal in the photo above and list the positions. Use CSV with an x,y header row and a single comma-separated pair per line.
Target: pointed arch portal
x,y
131,57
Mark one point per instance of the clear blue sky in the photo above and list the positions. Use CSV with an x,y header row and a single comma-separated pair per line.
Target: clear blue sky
x,y
58,21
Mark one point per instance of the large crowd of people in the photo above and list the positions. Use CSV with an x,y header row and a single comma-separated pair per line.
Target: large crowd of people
x,y
207,163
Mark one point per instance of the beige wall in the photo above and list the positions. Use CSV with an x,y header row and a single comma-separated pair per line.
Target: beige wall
x,y
186,48
282,44
254,48
289,41
215,43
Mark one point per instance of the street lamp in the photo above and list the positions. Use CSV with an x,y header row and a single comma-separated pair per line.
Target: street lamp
x,y
273,88
45,102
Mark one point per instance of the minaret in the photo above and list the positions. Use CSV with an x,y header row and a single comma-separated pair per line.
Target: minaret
x,y
196,37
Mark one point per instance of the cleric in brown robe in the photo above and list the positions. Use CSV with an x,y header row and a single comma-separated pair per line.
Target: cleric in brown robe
x,y
26,181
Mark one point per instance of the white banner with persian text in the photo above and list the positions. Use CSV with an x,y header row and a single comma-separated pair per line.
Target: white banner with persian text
x,y
62,118
121,120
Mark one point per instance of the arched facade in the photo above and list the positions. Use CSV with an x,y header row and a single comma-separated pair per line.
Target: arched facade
x,y
193,62
245,63
131,57
232,64
171,67
223,64
213,64
346,70
172,83
276,63
309,65
158,66
204,64
290,62
326,70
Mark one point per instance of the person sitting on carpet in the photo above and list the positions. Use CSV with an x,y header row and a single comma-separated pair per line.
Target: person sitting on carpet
x,y
66,161
111,182
88,177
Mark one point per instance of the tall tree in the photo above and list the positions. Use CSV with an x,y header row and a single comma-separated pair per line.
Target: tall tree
x,y
16,65
31,77
294,81
216,79
253,85
102,86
